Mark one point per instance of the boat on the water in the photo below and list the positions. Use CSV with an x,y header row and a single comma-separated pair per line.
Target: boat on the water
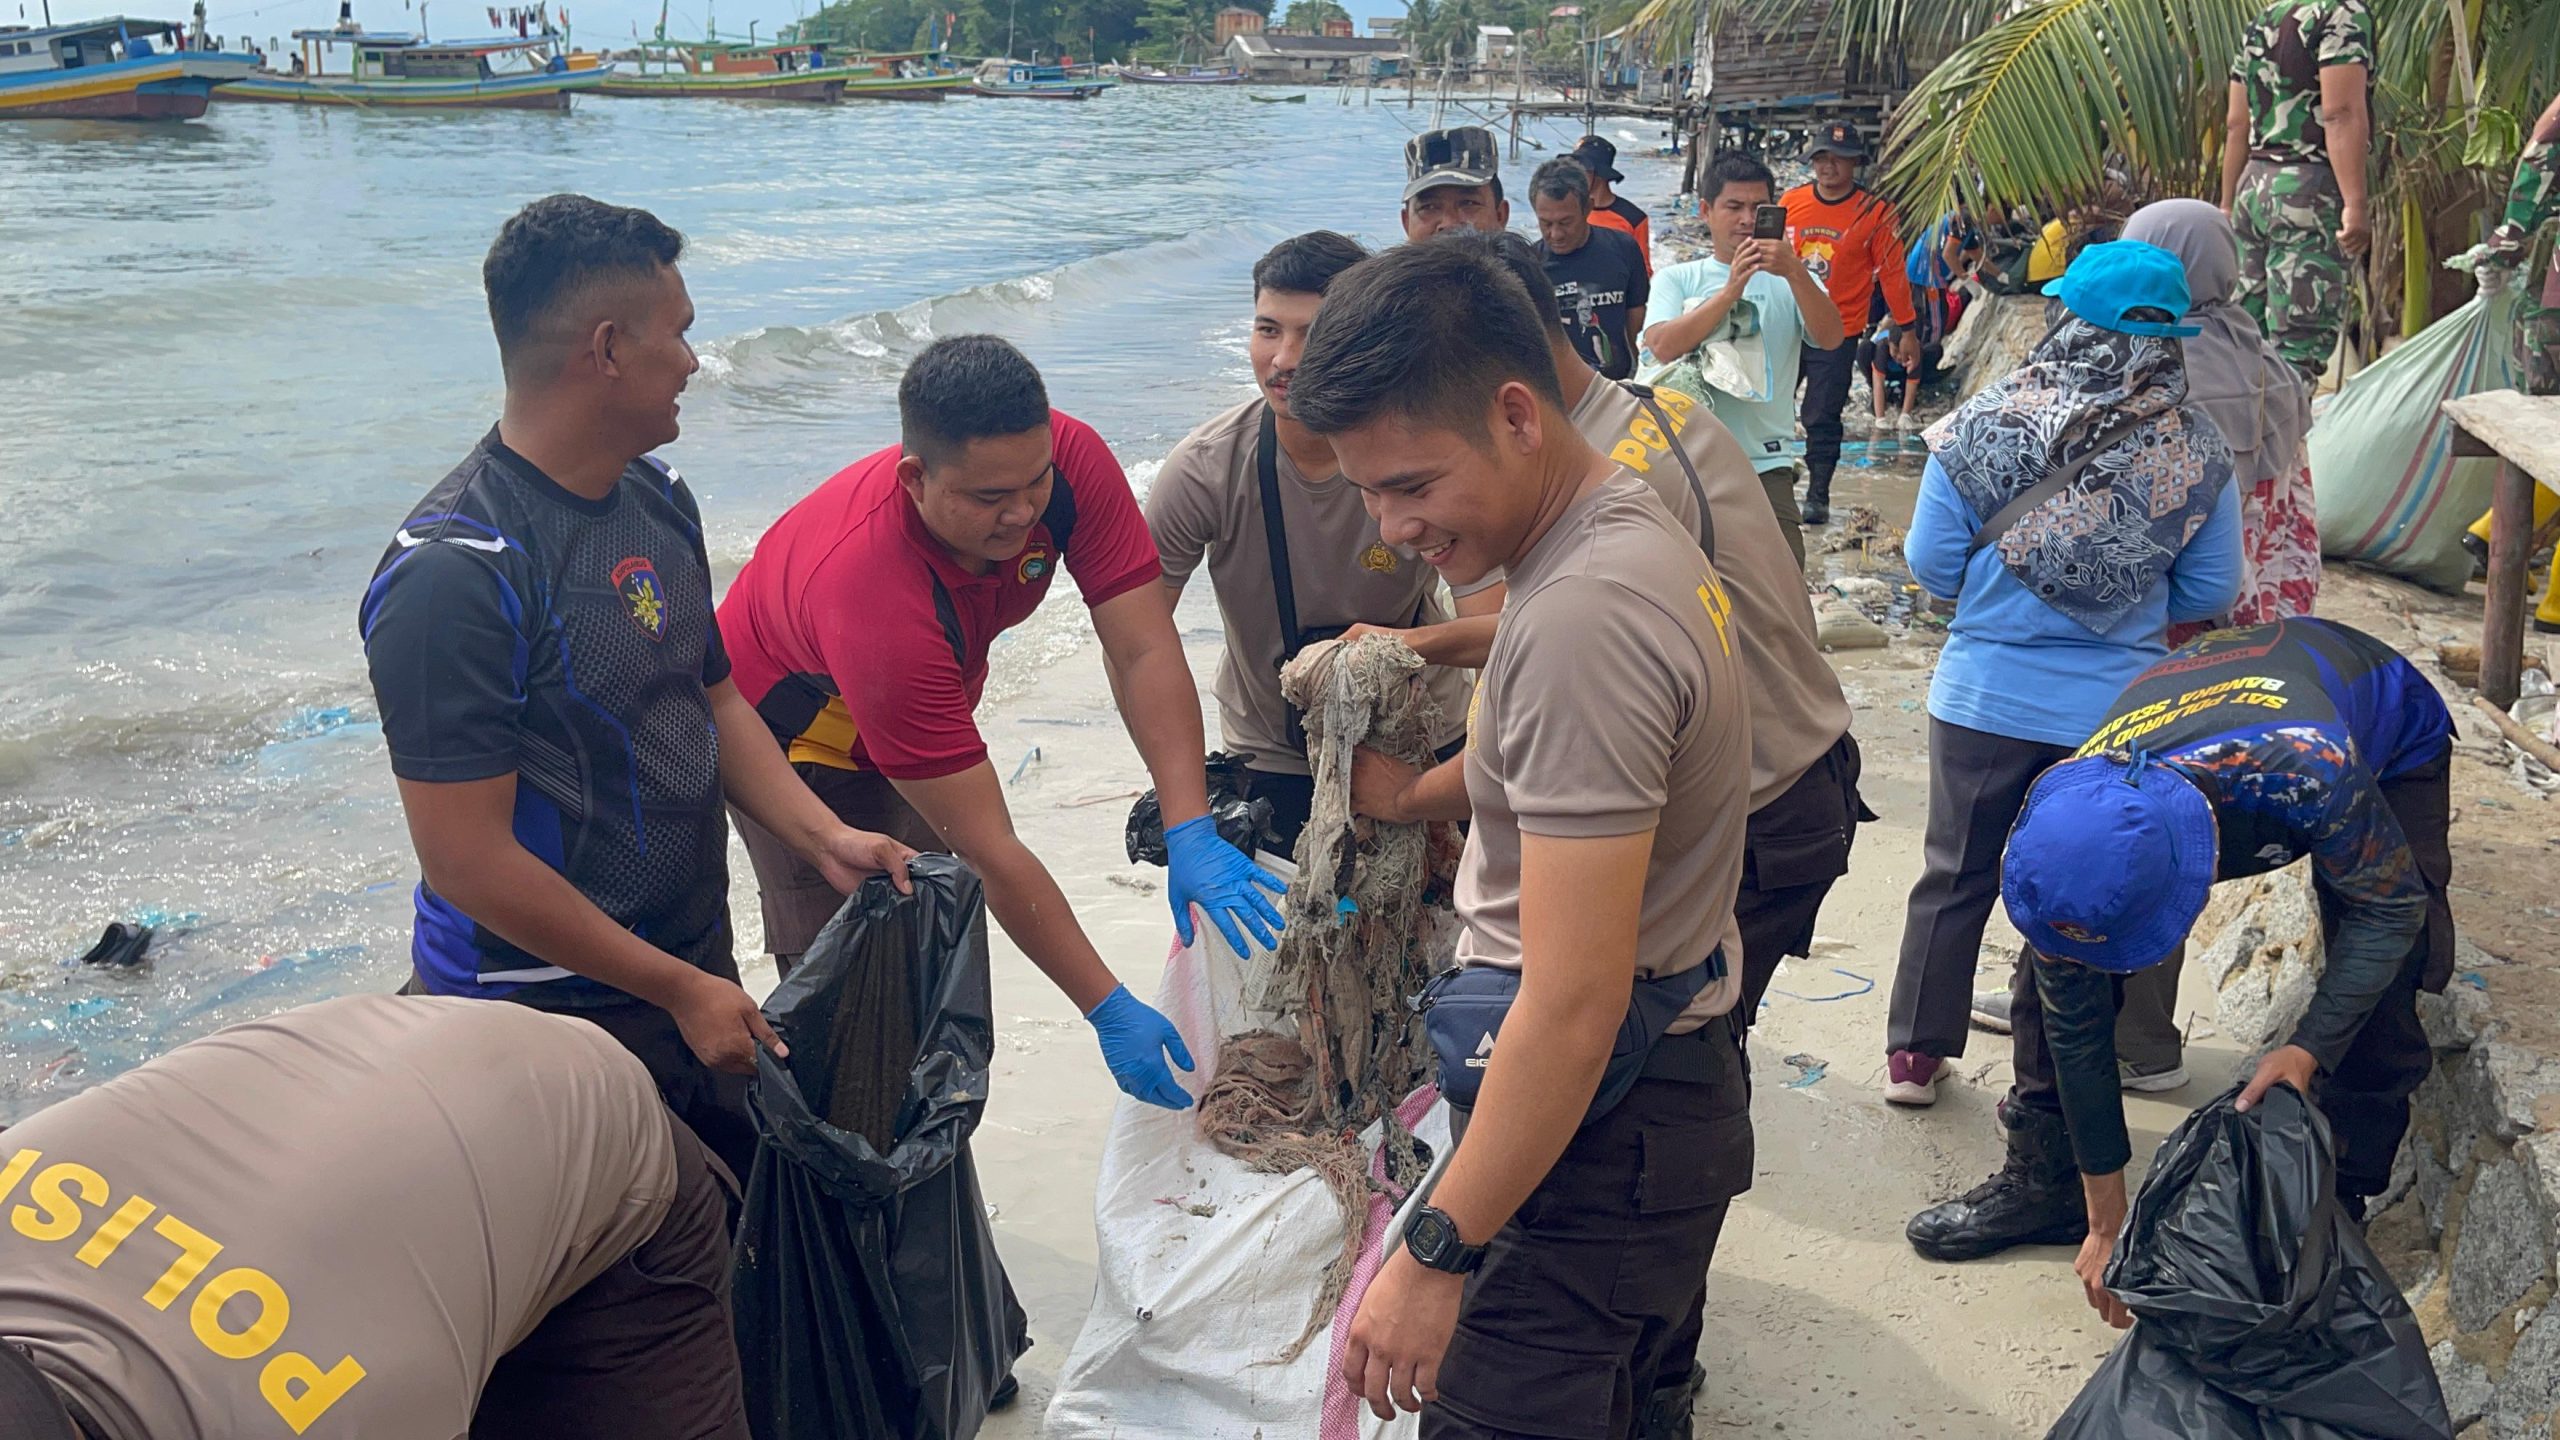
x,y
1277,99
405,72
1196,75
903,75
1014,80
696,70
112,69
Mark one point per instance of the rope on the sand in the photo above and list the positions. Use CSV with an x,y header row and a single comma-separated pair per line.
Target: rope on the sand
x,y
1364,933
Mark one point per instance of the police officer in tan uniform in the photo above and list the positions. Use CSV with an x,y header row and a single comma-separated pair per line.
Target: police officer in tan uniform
x,y
1551,1285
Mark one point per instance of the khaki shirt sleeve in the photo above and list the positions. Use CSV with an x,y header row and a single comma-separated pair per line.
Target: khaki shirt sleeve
x,y
1182,512
1593,696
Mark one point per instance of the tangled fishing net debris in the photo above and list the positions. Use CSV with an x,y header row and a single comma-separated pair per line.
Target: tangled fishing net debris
x,y
1367,926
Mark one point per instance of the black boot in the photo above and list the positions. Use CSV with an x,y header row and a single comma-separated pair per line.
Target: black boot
x,y
1670,1412
2034,1200
1816,508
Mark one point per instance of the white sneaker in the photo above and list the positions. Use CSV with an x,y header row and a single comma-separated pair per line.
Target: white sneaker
x,y
1911,1078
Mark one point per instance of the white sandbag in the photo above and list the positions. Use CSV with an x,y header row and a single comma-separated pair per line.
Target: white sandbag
x,y
1208,1270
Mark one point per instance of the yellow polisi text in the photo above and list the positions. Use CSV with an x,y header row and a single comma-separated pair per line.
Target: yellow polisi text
x,y
59,1200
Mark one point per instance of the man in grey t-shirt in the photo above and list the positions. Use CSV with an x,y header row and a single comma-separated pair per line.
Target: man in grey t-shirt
x,y
1609,772
1253,490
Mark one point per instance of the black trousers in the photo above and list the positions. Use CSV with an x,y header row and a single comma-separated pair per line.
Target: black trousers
x,y
643,1349
1793,850
1592,1298
2366,1099
1977,782
1826,393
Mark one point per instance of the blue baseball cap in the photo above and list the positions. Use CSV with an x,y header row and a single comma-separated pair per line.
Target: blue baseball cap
x,y
2108,280
2110,862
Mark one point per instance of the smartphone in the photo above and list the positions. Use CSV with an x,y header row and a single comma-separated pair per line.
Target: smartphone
x,y
1769,222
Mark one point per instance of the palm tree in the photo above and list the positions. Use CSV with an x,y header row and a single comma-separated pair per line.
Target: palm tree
x,y
2038,97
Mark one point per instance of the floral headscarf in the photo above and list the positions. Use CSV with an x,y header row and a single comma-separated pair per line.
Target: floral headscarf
x,y
2095,549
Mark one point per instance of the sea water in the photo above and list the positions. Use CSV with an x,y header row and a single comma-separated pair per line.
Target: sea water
x,y
235,352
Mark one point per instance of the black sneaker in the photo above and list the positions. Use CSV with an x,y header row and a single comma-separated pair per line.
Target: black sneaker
x,y
1816,509
1007,1391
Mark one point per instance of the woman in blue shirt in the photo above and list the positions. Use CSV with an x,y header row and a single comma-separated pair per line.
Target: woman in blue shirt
x,y
2057,610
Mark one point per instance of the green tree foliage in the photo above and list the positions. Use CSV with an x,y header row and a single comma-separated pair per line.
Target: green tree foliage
x,y
1098,29
1309,15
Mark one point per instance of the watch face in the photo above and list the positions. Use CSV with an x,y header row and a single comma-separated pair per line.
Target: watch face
x,y
1431,1237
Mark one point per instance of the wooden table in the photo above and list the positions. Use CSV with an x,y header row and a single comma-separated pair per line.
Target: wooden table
x,y
2523,433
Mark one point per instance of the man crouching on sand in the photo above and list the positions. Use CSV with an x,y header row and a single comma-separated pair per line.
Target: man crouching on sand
x,y
1608,774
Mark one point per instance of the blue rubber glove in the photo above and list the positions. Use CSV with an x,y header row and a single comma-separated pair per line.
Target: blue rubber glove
x,y
1135,1039
1206,871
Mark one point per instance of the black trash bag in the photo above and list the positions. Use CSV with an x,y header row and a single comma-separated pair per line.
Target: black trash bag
x,y
2259,1309
1242,821
869,1298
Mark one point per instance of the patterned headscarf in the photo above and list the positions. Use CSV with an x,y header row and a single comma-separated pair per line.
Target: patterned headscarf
x,y
2094,550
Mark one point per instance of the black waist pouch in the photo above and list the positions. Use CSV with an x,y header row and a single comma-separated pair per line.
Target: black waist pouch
x,y
1463,1010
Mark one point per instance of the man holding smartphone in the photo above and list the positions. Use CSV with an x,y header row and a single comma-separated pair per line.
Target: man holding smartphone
x,y
1754,301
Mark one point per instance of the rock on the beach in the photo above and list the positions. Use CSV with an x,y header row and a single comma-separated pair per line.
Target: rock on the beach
x,y
1994,338
2502,1251
2530,1390
2266,961
2467,1391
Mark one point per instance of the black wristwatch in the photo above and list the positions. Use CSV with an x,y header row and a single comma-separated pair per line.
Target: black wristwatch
x,y
1432,1238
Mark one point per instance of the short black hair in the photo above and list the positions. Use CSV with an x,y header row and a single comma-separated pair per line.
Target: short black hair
x,y
1306,264
1512,251
964,388
1733,167
1426,332
557,247
1561,179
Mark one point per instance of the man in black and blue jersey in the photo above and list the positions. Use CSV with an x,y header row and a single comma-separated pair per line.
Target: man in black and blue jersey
x,y
554,693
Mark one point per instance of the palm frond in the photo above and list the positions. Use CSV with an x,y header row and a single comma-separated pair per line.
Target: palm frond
x,y
2031,110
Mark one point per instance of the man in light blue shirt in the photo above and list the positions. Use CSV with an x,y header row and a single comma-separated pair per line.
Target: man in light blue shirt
x,y
1745,313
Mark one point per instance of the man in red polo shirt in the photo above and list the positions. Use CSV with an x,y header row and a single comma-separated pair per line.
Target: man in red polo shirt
x,y
860,631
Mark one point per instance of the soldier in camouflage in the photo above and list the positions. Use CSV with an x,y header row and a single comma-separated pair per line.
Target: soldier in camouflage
x,y
2293,169
2533,201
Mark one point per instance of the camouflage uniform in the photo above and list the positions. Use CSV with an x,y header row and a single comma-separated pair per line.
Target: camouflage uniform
x,y
2532,201
2293,276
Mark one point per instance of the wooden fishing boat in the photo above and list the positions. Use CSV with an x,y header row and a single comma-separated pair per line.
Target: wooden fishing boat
x,y
112,69
696,70
1196,75
1011,80
407,72
1277,99
903,75
706,69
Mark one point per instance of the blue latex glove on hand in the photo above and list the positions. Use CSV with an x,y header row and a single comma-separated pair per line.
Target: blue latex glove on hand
x,y
1135,1040
1205,870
